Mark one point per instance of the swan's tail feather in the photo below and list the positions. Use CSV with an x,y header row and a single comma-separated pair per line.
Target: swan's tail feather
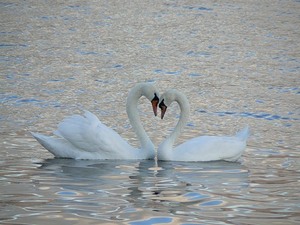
x,y
43,140
37,136
57,146
243,134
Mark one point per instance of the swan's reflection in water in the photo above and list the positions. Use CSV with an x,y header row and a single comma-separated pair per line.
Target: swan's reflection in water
x,y
114,188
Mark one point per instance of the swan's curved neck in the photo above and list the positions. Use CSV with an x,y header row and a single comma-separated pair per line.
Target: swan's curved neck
x,y
184,117
131,108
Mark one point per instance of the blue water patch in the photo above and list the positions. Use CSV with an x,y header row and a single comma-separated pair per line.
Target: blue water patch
x,y
55,80
192,224
156,220
195,75
158,71
102,24
9,76
118,66
8,98
81,52
212,46
198,54
48,17
74,6
5,45
204,9
190,124
16,76
50,104
61,80
194,196
28,100
66,193
257,115
86,53
56,91
225,113
263,115
11,59
36,102
16,100
212,203
80,91
200,8
145,46
7,4
73,29
290,70
103,81
173,72
294,90
166,72
151,81
259,101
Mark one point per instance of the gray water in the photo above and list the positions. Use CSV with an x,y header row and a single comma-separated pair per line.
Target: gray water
x,y
238,62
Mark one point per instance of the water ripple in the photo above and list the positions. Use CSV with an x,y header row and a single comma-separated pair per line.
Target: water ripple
x,y
257,115
198,8
88,54
167,72
198,54
156,220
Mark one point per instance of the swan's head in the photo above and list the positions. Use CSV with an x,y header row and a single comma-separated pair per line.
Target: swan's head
x,y
166,99
151,93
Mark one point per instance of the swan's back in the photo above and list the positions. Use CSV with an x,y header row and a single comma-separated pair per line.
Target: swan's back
x,y
212,148
209,148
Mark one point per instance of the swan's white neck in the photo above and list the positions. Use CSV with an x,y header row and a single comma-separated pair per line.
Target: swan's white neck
x,y
183,103
134,118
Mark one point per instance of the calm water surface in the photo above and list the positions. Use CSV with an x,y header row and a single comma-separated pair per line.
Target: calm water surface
x,y
237,61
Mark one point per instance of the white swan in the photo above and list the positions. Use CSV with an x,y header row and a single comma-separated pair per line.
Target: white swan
x,y
85,137
202,148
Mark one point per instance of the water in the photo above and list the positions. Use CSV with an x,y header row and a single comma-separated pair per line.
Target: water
x,y
238,63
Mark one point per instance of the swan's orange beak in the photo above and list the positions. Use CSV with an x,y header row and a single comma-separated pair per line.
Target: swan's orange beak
x,y
154,106
154,103
163,109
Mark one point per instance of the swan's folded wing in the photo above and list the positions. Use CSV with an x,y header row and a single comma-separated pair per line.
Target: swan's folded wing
x,y
89,134
210,148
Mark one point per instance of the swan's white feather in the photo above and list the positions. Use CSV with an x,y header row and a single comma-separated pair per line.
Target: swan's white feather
x,y
85,137
88,133
209,148
202,148
243,134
